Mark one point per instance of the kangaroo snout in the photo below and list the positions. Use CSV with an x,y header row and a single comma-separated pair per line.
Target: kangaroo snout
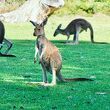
x,y
54,34
34,34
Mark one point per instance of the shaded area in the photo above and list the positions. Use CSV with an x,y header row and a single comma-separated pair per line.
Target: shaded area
x,y
6,55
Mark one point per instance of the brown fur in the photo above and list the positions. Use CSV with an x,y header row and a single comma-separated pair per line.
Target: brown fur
x,y
50,59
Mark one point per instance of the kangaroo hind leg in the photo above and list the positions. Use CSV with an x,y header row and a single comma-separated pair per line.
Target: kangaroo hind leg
x,y
53,83
9,45
76,34
60,77
44,73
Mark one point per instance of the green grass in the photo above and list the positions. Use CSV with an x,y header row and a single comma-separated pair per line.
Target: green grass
x,y
83,60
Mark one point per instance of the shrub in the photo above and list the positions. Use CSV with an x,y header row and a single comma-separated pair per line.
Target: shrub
x,y
84,7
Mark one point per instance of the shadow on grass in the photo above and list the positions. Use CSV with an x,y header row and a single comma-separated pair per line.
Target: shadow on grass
x,y
81,42
6,55
27,45
101,43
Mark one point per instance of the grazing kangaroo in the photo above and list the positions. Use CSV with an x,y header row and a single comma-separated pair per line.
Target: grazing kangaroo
x,y
4,40
75,27
49,57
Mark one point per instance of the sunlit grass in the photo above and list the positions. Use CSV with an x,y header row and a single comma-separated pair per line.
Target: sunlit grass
x,y
100,23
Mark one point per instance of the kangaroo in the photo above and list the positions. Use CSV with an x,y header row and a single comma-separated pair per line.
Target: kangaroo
x,y
75,27
4,40
49,57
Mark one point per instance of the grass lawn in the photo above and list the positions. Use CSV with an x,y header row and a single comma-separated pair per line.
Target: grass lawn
x,y
83,60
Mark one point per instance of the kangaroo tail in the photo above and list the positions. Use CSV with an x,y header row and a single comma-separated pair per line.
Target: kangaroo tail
x,y
6,55
91,33
77,79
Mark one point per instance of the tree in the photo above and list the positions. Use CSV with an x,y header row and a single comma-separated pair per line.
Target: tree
x,y
35,10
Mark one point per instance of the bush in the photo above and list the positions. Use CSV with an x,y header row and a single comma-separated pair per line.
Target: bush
x,y
103,7
83,7
75,7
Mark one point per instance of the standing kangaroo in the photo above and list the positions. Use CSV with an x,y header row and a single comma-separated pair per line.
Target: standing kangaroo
x,y
75,27
49,57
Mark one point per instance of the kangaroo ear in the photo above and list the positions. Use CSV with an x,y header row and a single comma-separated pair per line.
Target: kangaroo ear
x,y
34,23
59,26
45,21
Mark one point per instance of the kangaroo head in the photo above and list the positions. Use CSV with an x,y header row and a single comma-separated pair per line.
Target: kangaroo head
x,y
57,31
39,28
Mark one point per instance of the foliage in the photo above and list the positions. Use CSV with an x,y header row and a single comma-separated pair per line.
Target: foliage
x,y
76,7
103,7
84,7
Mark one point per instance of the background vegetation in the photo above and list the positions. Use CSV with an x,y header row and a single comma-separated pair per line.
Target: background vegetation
x,y
82,7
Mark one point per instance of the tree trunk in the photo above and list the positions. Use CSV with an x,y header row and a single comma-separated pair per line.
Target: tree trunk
x,y
35,10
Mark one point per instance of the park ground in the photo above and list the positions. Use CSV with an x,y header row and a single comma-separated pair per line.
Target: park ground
x,y
83,60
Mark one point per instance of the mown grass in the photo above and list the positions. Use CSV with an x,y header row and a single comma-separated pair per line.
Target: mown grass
x,y
83,60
